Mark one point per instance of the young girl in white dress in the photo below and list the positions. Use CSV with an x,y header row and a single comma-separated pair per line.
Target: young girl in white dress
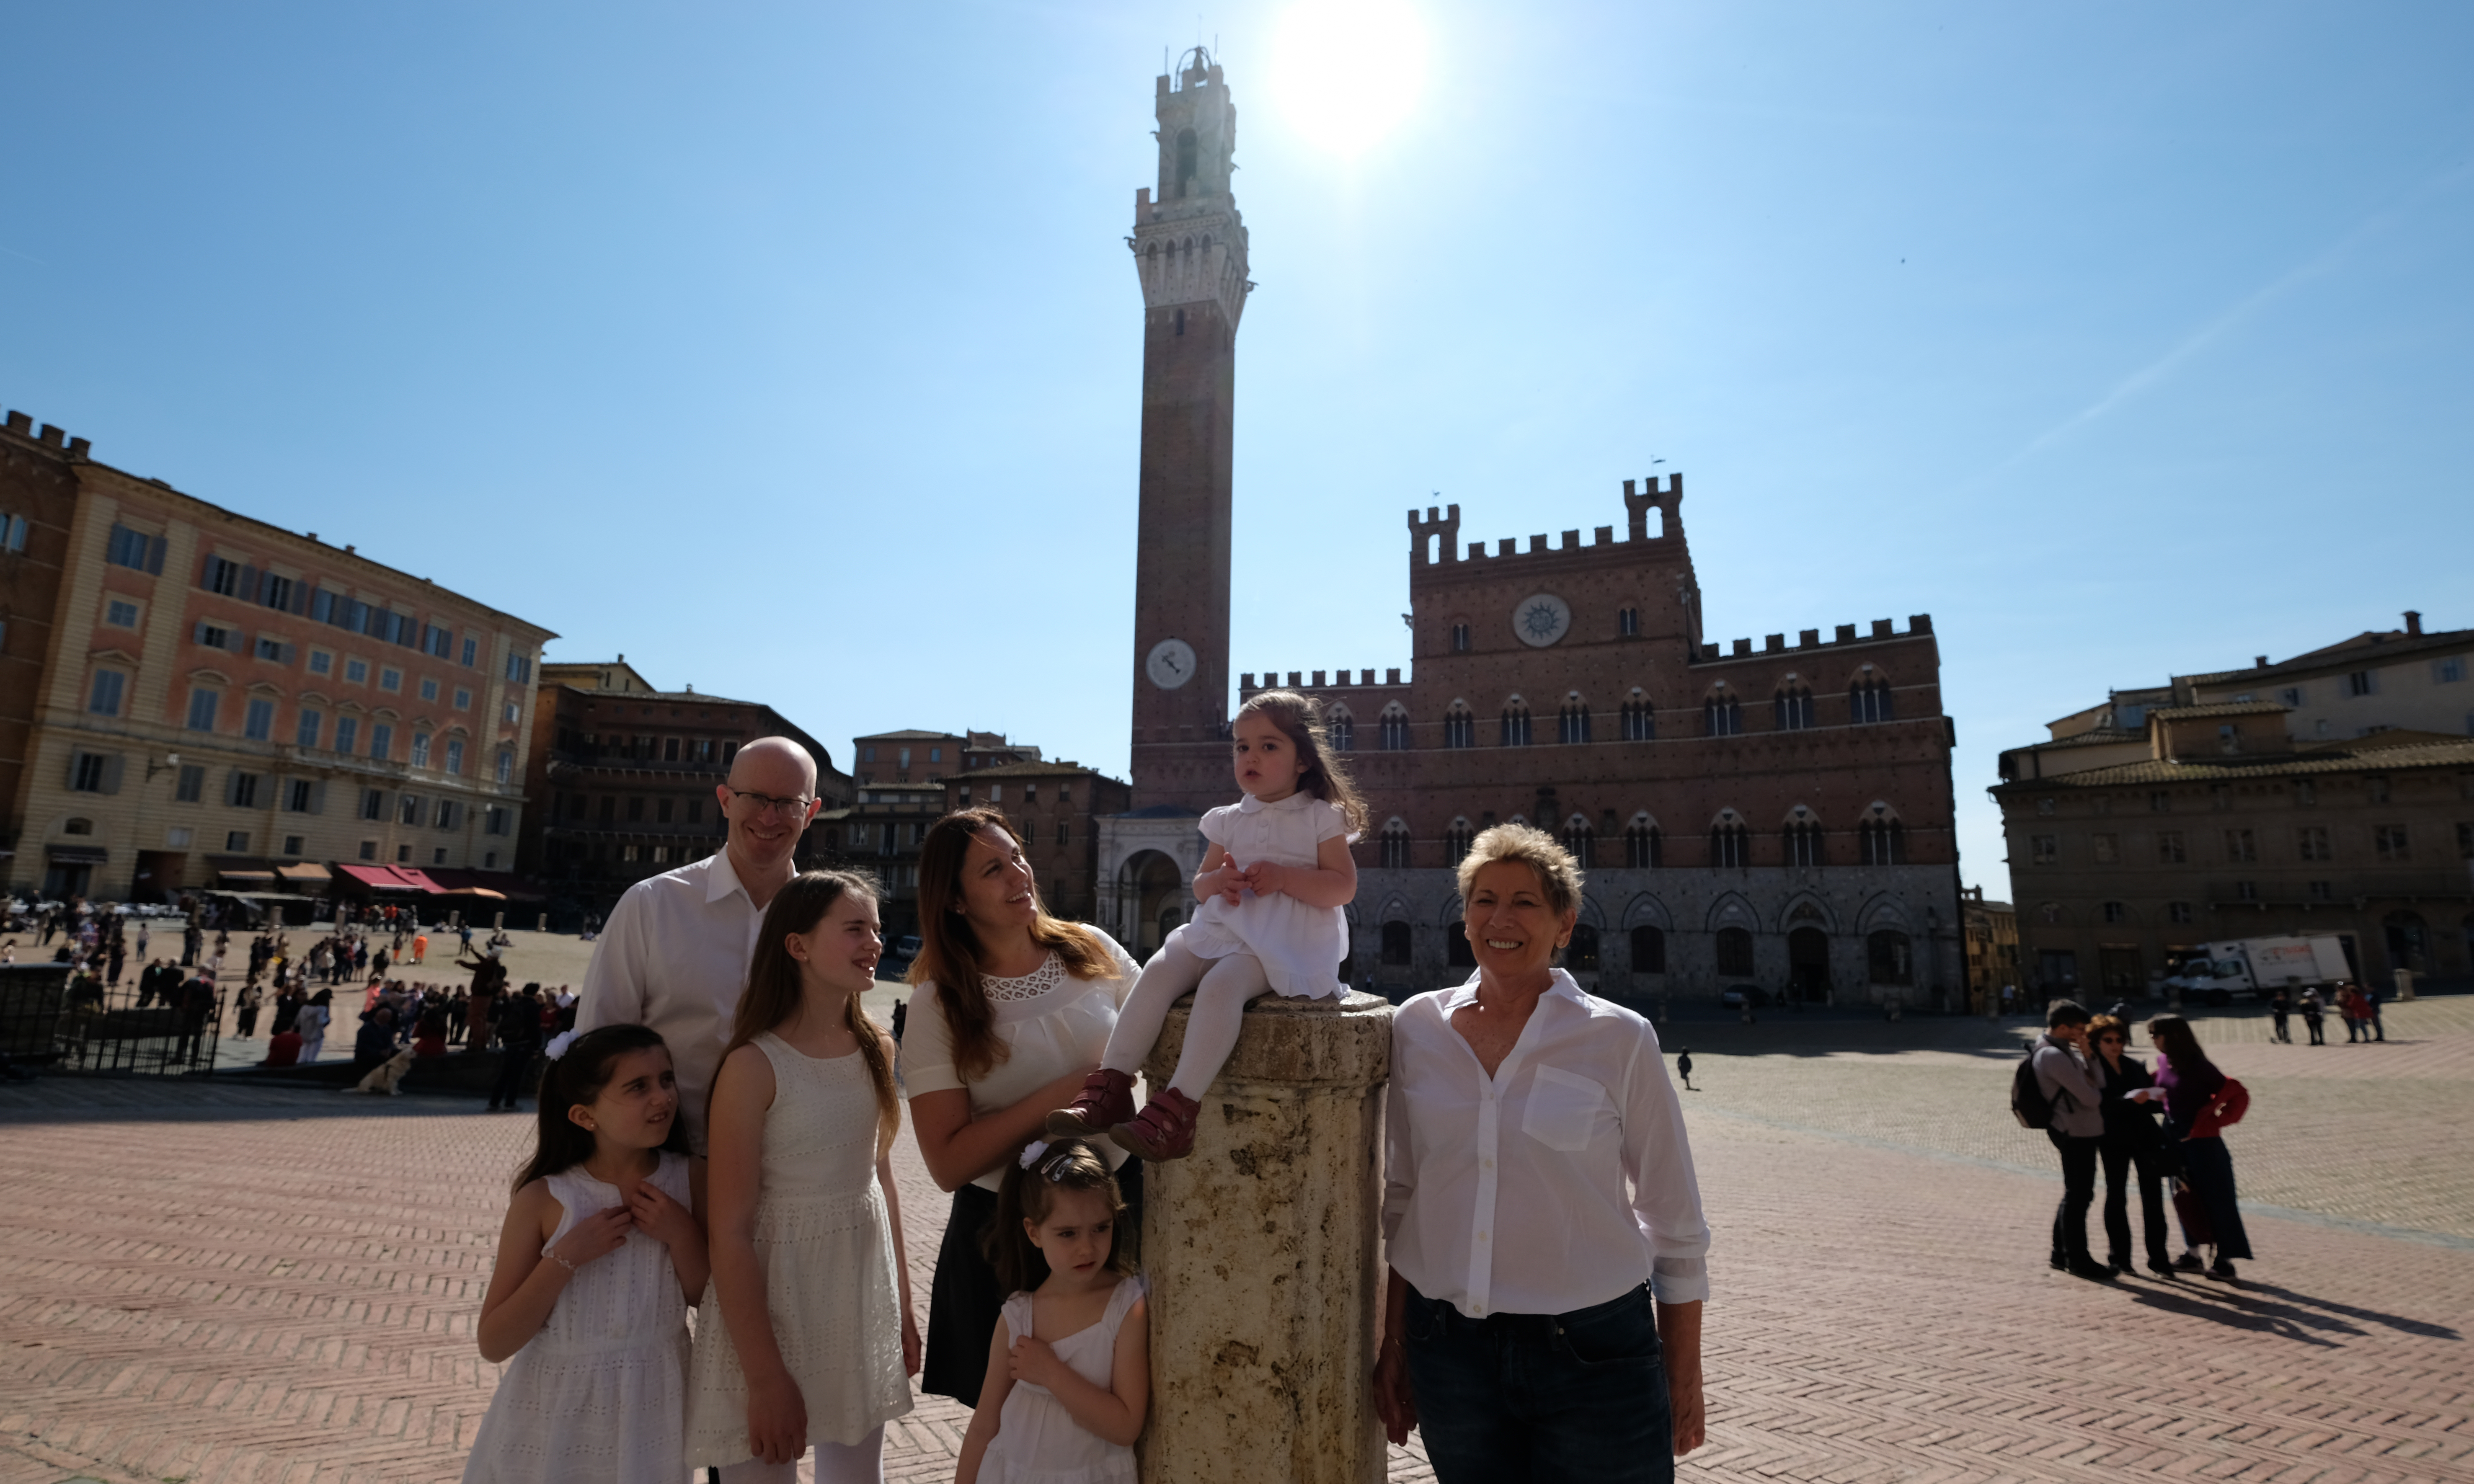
x,y
598,1255
1069,1368
1271,887
806,1336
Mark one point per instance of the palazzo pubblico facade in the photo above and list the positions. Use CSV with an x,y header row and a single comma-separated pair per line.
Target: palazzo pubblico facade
x,y
1777,816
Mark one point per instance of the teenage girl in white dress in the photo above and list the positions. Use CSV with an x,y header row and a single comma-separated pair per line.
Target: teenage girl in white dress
x,y
806,1336
1271,887
1069,1368
598,1255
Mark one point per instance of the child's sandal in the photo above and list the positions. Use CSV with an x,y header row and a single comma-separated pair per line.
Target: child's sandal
x,y
1107,1100
1163,1130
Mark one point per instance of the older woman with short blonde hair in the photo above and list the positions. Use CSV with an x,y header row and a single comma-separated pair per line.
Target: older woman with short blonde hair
x,y
1542,1311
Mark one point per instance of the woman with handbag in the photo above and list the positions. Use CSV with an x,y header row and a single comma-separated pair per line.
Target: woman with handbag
x,y
2131,1141
2200,1103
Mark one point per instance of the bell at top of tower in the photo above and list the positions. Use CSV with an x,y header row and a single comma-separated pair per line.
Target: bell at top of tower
x,y
1197,131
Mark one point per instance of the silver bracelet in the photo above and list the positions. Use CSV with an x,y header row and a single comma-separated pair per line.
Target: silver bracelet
x,y
561,1261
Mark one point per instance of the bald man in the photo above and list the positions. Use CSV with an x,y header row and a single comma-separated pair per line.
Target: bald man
x,y
675,952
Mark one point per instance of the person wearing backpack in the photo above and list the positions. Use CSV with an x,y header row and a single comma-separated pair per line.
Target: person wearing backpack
x,y
2076,1124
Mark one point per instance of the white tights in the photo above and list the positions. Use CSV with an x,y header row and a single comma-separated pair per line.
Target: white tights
x,y
1223,987
836,1462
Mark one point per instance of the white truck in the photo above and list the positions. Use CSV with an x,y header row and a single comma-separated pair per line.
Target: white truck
x,y
2261,966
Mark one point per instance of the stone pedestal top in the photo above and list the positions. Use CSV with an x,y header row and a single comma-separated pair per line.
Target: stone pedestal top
x,y
1343,1042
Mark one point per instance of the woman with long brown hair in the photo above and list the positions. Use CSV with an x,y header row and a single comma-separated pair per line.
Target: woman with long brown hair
x,y
1013,1010
2199,1103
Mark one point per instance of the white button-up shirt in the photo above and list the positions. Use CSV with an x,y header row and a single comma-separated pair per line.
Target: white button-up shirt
x,y
674,956
1562,1180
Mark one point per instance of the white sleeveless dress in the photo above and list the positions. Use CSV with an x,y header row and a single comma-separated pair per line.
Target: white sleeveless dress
x,y
827,1246
600,1394
1300,946
1037,1441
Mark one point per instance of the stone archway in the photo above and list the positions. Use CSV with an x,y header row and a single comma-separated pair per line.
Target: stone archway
x,y
1148,890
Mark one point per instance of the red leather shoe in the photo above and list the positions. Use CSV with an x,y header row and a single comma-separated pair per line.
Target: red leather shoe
x,y
1163,1130
1107,1098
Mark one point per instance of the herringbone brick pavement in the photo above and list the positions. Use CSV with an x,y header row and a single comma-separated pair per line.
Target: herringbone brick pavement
x,y
205,1283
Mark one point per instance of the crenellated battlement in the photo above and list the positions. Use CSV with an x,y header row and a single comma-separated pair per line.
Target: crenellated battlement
x,y
1918,625
1299,680
50,437
1433,538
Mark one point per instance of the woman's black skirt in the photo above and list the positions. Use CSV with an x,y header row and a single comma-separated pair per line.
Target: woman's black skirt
x,y
965,1300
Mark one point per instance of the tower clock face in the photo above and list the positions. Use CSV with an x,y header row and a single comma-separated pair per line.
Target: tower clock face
x,y
1170,664
1540,619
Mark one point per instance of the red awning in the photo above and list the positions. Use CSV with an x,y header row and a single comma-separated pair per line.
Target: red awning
x,y
380,878
413,877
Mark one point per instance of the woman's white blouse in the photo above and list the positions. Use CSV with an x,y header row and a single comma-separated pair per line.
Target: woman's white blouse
x,y
1562,1182
1057,1026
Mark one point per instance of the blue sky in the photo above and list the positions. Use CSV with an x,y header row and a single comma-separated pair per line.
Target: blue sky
x,y
793,351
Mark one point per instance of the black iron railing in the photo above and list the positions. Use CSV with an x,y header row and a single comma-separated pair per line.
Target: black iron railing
x,y
51,1021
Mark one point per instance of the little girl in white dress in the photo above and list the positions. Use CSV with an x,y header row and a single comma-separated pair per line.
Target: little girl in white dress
x,y
1272,888
1069,1367
806,1336
598,1253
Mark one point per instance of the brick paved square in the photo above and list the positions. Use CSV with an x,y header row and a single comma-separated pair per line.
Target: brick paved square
x,y
205,1282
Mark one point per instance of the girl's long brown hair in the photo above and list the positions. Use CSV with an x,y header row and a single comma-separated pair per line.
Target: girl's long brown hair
x,y
1299,719
775,995
949,950
2181,1047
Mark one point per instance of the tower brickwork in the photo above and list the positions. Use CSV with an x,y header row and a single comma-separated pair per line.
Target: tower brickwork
x,y
1189,247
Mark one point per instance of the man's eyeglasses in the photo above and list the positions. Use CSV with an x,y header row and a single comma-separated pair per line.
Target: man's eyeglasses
x,y
766,803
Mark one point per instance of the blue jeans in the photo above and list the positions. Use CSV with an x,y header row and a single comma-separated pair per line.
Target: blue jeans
x,y
1541,1399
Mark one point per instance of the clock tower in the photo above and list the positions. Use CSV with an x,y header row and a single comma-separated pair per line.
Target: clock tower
x,y
1189,247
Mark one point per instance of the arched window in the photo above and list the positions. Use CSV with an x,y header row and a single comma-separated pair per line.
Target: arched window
x,y
421,749
1792,709
1457,839
1572,724
1882,842
1648,950
1581,953
1734,951
1459,727
1722,714
1628,621
506,765
1803,840
1460,639
1868,699
1394,725
1640,719
1514,730
455,755
1342,728
1582,841
1456,952
1392,846
1396,948
1889,958
78,826
1185,160
1728,845
1641,845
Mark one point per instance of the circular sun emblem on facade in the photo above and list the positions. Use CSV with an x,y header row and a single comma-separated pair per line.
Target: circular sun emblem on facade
x,y
1541,619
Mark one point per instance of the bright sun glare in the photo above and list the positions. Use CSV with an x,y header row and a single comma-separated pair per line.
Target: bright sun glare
x,y
1346,72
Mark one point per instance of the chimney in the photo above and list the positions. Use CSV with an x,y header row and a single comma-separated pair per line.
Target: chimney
x,y
2260,661
2413,621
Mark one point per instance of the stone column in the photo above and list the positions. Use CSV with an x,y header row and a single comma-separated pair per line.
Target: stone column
x,y
1263,1250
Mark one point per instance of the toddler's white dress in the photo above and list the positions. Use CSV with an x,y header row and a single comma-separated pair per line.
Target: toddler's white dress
x,y
827,1246
1300,946
599,1393
1037,1440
